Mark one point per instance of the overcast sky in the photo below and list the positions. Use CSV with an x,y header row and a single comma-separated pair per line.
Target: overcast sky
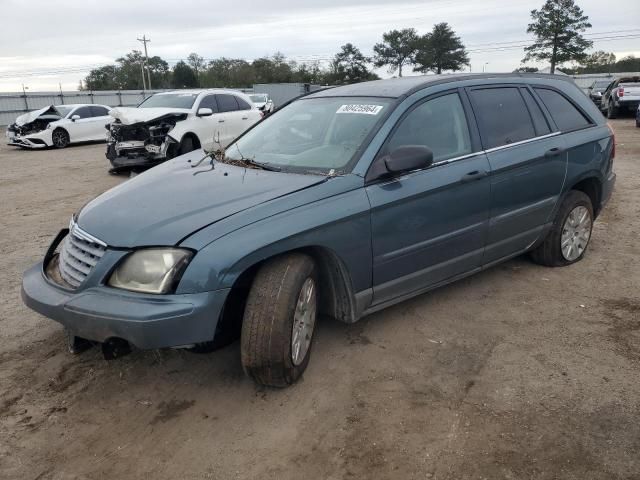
x,y
41,37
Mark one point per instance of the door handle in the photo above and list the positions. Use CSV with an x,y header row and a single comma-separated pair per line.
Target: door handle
x,y
475,175
552,152
245,118
221,120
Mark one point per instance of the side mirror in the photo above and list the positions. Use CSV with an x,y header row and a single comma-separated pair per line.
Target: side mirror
x,y
75,117
204,112
407,158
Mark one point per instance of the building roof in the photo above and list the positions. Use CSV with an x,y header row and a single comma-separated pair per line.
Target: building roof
x,y
398,87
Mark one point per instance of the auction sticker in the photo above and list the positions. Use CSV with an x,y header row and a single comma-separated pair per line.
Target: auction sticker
x,y
363,109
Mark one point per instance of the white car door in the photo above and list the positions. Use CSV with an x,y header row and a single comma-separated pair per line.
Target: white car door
x,y
213,128
100,118
233,117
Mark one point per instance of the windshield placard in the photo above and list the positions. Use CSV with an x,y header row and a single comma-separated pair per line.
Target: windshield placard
x,y
361,109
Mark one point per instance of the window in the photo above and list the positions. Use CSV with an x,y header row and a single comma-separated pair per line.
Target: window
x,y
227,103
170,100
439,124
502,116
83,112
242,105
539,122
563,112
209,102
97,111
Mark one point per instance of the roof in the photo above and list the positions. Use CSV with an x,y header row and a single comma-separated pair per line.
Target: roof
x,y
197,91
398,87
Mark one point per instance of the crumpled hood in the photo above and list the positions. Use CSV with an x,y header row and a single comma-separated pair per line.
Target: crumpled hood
x,y
130,115
167,203
31,116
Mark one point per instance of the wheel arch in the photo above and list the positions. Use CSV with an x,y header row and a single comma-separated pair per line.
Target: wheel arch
x,y
592,187
60,127
194,137
337,299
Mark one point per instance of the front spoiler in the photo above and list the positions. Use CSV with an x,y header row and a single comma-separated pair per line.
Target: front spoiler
x,y
16,142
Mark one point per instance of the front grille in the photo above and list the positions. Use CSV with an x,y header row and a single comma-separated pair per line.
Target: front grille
x,y
78,255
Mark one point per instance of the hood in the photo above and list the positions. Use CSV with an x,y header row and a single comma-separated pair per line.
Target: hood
x,y
31,116
130,116
167,203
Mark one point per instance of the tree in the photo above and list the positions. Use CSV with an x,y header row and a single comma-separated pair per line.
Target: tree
x,y
440,50
525,70
397,49
196,62
557,27
350,66
183,76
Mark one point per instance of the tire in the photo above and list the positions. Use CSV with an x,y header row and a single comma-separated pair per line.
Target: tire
x,y
612,111
60,138
272,307
186,146
550,252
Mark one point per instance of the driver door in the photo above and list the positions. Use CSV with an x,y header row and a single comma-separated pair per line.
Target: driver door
x,y
430,225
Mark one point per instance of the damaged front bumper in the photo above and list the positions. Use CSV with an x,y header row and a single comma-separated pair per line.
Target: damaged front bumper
x,y
99,313
137,153
35,140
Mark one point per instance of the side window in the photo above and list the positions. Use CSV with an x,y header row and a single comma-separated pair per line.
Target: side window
x,y
439,124
542,127
83,112
242,105
209,102
502,116
563,112
227,103
97,111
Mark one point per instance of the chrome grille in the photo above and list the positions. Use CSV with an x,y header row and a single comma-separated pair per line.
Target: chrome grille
x,y
78,255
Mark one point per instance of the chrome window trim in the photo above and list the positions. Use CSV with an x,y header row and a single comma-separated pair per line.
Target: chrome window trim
x,y
521,142
472,154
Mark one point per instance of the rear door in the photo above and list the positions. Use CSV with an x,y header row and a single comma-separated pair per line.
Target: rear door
x,y
232,126
528,166
247,114
430,225
100,116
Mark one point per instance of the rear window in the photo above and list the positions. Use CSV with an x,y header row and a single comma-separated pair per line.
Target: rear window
x,y
563,112
502,116
242,105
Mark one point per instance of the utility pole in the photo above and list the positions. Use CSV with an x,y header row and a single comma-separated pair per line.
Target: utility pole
x,y
144,40
144,82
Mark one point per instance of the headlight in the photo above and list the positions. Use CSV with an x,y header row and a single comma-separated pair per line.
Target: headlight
x,y
152,270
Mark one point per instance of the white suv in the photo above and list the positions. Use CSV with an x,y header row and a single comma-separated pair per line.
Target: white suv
x,y
173,123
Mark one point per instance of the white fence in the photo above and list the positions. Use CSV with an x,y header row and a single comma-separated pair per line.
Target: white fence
x,y
17,103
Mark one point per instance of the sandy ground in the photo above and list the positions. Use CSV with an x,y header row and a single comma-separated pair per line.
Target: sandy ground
x,y
519,372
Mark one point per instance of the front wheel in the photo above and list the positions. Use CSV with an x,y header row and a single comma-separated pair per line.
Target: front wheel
x,y
60,138
568,239
279,320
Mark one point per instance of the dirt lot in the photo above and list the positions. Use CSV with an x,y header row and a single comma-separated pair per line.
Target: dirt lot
x,y
519,372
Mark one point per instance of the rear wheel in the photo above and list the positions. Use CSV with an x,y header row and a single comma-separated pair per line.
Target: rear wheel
x,y
60,138
569,237
279,320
